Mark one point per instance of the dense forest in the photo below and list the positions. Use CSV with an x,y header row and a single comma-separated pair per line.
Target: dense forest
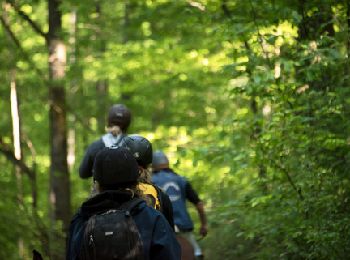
x,y
250,100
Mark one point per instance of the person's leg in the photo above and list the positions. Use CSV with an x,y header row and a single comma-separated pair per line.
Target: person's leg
x,y
187,251
197,250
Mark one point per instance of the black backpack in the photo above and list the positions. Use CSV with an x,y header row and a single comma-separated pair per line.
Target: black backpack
x,y
113,234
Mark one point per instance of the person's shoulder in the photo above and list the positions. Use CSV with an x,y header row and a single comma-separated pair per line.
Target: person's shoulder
x,y
176,175
143,207
146,215
96,145
97,142
77,219
147,210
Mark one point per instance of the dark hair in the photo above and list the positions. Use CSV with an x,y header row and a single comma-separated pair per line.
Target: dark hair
x,y
145,176
119,115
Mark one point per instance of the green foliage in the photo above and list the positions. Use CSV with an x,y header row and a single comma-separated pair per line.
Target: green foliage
x,y
250,100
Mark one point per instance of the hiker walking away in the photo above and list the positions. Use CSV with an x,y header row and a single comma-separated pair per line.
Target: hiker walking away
x,y
179,190
117,223
118,121
141,149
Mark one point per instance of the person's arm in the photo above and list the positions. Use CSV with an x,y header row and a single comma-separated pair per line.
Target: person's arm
x,y
203,218
85,169
75,236
193,197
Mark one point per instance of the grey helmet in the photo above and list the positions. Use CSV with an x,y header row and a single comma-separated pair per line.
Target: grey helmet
x,y
119,115
160,160
140,147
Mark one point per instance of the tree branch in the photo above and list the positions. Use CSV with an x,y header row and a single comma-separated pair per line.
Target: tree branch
x,y
11,34
19,46
260,36
290,180
4,149
26,18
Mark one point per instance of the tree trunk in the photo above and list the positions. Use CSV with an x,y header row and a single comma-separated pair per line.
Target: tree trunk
x,y
59,177
16,131
348,39
74,87
128,9
101,103
256,131
101,84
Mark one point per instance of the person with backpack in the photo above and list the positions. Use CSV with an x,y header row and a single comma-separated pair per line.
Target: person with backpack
x,y
179,190
117,223
141,149
118,121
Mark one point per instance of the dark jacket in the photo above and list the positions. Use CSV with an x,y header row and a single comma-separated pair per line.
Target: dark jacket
x,y
85,169
165,206
158,238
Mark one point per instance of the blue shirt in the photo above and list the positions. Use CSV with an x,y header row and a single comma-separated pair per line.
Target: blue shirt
x,y
176,187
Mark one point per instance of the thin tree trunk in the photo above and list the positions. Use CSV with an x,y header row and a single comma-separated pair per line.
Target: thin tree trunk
x,y
16,131
74,87
33,177
255,137
101,102
101,84
348,39
128,8
59,177
256,132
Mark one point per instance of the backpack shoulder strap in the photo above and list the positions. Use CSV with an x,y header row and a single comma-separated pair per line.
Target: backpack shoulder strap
x,y
159,195
131,204
150,190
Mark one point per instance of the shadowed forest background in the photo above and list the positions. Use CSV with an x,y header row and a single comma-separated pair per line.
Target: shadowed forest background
x,y
250,100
